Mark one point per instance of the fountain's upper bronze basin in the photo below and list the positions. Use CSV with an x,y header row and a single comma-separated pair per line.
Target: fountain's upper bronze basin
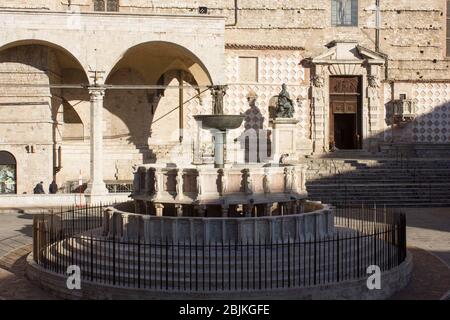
x,y
220,122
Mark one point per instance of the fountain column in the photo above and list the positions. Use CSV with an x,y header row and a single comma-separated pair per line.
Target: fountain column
x,y
219,147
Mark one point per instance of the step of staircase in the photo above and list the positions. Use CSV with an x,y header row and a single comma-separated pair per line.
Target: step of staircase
x,y
382,181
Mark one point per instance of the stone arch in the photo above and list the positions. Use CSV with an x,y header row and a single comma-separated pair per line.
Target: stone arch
x,y
25,42
8,173
194,64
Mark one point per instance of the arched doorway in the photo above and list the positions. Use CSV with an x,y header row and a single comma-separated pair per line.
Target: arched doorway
x,y
8,173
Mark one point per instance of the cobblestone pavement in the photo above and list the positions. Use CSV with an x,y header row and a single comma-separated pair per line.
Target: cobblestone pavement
x,y
428,238
15,231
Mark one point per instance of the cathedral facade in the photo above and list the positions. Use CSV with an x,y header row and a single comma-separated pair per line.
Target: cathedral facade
x,y
90,88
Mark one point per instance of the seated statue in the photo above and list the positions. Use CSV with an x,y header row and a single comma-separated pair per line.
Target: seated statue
x,y
285,106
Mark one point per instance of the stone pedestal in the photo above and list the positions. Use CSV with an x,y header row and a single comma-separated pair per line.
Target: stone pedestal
x,y
285,137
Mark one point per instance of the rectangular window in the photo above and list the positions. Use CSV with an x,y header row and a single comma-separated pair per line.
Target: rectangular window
x,y
106,5
448,28
344,13
99,5
113,6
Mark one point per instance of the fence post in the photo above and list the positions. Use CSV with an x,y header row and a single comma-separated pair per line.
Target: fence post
x,y
337,258
92,257
114,260
139,262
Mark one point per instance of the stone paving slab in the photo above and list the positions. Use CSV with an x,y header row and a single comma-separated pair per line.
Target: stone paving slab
x,y
13,283
15,231
429,229
430,278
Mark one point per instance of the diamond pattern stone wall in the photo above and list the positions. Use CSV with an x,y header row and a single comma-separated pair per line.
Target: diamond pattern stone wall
x,y
433,105
274,69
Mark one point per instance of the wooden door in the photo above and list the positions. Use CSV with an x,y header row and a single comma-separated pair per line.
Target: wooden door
x,y
345,112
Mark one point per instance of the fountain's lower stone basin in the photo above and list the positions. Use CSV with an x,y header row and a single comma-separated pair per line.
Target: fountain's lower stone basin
x,y
220,122
313,219
241,203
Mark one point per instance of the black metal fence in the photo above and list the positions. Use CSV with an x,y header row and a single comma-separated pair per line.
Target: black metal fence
x,y
112,186
364,237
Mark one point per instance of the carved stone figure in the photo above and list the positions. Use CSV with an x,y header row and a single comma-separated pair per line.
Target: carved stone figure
x,y
294,181
199,183
218,92
318,81
266,182
248,182
179,184
373,81
224,177
288,179
285,106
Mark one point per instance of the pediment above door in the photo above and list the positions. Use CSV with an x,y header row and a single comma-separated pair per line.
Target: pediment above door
x,y
348,52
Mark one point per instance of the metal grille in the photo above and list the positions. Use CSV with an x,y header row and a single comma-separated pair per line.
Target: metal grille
x,y
113,5
99,5
368,236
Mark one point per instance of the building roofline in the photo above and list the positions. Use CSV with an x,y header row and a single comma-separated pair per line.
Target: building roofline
x,y
109,13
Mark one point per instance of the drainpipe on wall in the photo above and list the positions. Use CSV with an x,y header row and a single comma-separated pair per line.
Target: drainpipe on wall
x,y
235,15
378,25
378,36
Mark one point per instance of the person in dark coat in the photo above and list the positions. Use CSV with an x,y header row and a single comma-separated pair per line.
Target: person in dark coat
x,y
39,189
53,188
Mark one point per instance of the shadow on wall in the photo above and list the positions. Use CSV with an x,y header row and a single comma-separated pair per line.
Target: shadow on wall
x,y
146,119
129,111
255,134
399,180
426,135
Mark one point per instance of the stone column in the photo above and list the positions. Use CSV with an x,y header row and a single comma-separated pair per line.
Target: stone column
x,y
96,185
159,207
225,211
268,209
220,138
248,208
319,116
201,210
179,210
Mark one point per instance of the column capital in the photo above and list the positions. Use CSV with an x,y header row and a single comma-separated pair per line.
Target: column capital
x,y
96,92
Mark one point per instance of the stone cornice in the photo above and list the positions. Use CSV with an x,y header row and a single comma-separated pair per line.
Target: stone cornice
x,y
237,46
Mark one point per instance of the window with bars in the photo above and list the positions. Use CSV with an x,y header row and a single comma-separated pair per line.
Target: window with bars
x,y
448,29
344,12
106,5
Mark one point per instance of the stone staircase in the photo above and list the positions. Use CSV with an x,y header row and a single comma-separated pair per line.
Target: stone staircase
x,y
390,182
155,266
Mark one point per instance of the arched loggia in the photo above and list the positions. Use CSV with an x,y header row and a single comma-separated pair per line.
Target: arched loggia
x,y
151,95
42,77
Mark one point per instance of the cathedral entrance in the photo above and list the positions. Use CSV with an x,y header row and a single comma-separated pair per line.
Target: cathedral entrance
x,y
345,112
